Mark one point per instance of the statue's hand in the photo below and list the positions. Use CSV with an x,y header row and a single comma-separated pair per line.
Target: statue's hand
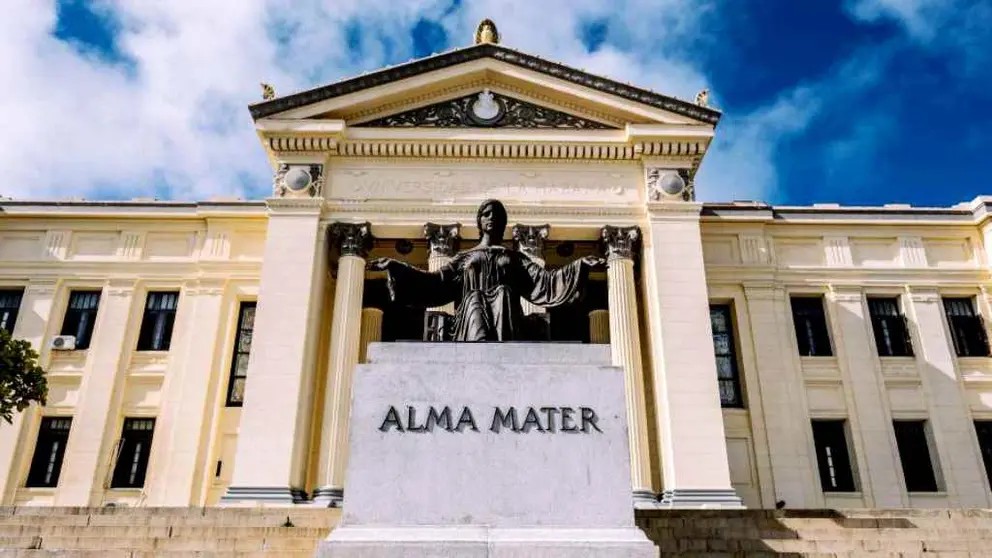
x,y
594,262
381,264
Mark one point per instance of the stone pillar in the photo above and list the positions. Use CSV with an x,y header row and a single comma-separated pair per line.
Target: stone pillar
x,y
371,330
951,424
353,242
276,414
599,326
695,469
94,425
190,401
34,324
442,243
530,240
780,383
871,422
625,344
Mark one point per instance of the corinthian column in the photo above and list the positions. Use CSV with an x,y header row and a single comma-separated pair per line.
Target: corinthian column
x,y
625,344
371,330
530,240
353,241
442,242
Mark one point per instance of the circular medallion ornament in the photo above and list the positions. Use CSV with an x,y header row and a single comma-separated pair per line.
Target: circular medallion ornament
x,y
486,110
298,179
672,184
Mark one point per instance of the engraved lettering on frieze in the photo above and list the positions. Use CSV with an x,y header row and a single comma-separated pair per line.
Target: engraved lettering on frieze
x,y
485,109
620,242
530,239
442,239
547,419
361,185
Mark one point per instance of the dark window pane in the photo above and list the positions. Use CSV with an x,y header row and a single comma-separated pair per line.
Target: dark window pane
x,y
832,459
46,465
984,430
239,360
890,327
726,357
132,454
10,303
914,453
812,337
967,328
158,321
80,316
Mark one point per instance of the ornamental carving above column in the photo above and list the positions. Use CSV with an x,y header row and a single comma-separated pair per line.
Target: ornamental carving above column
x,y
298,181
442,240
530,239
620,242
352,239
669,184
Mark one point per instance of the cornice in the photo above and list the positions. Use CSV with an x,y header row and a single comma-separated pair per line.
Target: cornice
x,y
477,52
467,210
294,206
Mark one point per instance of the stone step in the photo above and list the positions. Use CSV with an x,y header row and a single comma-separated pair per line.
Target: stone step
x,y
137,554
139,532
152,545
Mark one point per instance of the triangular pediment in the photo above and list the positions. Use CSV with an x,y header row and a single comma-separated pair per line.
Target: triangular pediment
x,y
546,93
485,109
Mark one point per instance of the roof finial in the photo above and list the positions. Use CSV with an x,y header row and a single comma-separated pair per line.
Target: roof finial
x,y
486,33
268,92
703,98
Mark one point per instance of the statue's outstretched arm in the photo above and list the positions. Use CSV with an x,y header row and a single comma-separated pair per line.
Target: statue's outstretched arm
x,y
556,287
415,287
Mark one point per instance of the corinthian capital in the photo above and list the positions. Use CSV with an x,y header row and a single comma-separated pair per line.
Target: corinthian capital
x,y
442,239
620,242
352,239
530,239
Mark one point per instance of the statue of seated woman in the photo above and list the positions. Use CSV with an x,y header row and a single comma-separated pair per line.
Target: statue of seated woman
x,y
487,282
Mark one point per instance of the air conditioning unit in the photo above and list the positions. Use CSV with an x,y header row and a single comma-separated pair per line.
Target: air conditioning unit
x,y
64,342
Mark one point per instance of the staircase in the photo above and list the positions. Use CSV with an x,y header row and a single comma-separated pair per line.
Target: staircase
x,y
820,533
172,532
246,532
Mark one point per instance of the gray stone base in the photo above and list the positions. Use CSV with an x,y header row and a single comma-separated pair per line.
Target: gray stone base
x,y
328,497
483,542
265,495
700,498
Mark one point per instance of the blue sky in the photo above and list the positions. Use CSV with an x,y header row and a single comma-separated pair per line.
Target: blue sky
x,y
859,102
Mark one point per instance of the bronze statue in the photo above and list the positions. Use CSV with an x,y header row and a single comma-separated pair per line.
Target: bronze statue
x,y
488,281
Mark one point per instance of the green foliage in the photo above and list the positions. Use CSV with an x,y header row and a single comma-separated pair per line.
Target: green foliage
x,y
21,379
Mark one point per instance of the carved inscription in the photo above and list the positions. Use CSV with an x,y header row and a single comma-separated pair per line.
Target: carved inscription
x,y
581,420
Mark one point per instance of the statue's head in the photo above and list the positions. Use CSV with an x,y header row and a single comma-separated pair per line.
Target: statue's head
x,y
491,219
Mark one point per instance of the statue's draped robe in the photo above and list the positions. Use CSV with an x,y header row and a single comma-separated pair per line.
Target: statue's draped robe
x,y
487,283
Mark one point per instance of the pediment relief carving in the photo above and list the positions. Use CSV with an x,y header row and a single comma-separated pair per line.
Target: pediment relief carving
x,y
485,109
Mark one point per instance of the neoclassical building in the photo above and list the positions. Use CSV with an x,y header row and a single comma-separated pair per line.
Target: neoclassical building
x,y
202,353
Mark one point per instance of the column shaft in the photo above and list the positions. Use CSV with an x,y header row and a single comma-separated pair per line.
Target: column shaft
x,y
190,399
625,345
371,330
88,453
695,468
345,349
275,416
951,423
599,326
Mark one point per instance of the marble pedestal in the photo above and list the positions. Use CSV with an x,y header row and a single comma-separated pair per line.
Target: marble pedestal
x,y
488,450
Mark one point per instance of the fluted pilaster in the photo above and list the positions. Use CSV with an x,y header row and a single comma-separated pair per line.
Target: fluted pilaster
x,y
599,326
353,241
371,331
620,244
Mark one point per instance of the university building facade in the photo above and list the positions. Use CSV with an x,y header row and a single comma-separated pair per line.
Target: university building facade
x,y
203,353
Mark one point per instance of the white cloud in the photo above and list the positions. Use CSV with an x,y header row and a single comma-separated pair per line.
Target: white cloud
x,y
173,121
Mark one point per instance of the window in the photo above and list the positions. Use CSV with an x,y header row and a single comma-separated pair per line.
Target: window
x,y
811,326
890,327
49,451
80,316
726,357
156,326
967,328
984,430
914,453
132,453
10,303
239,362
832,457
